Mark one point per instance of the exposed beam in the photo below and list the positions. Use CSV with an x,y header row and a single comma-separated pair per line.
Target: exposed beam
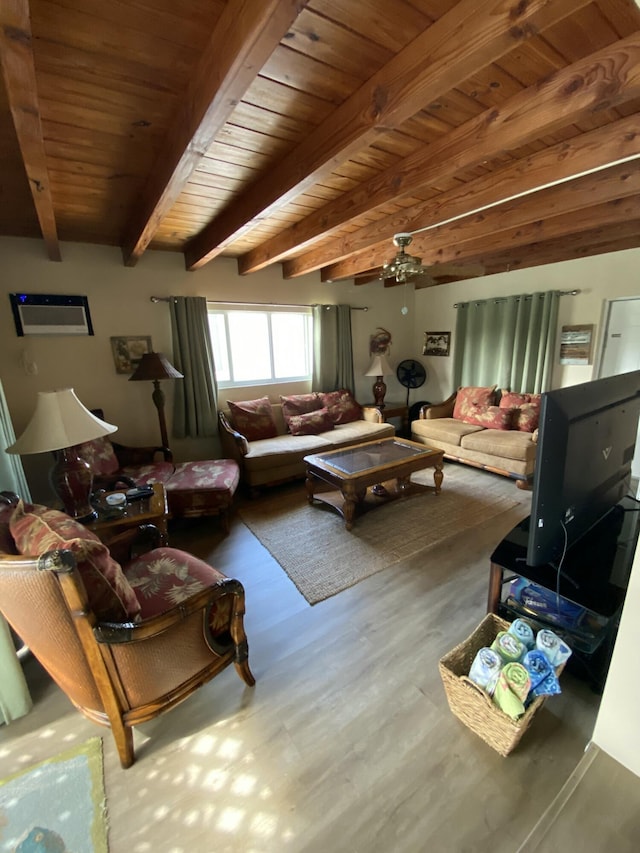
x,y
468,37
602,80
246,34
18,68
610,184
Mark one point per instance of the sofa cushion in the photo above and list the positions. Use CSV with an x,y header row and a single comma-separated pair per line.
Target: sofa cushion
x,y
356,432
100,455
342,406
310,423
253,418
491,417
165,577
526,414
469,396
448,430
509,444
154,472
38,529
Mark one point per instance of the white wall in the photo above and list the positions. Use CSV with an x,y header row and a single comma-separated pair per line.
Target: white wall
x,y
598,278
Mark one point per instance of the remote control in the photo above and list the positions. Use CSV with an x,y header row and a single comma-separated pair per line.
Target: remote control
x,y
139,493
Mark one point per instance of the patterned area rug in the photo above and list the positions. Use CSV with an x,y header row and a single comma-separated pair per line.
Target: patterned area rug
x,y
57,806
322,558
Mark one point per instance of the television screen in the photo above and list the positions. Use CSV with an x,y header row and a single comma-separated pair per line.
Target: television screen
x,y
586,442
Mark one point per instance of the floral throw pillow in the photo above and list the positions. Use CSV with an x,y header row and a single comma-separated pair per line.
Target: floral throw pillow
x,y
39,529
343,409
470,396
300,404
490,417
526,410
100,455
254,418
311,423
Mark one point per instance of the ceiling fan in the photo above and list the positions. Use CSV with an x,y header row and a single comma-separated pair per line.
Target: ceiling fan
x,y
404,266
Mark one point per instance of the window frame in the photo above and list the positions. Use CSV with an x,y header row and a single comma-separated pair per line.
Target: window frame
x,y
225,308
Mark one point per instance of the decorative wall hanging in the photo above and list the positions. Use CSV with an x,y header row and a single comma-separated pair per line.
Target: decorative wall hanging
x,y
436,343
127,352
575,344
380,342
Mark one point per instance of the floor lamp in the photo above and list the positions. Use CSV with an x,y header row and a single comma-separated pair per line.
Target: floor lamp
x,y
59,423
154,367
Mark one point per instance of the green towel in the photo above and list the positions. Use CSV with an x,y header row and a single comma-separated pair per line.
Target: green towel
x,y
512,689
509,647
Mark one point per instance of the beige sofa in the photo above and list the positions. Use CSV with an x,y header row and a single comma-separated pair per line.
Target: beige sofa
x,y
268,461
509,452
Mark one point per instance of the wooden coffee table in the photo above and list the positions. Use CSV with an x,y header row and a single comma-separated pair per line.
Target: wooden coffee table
x,y
367,475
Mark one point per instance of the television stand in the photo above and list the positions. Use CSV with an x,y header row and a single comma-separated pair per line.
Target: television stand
x,y
589,589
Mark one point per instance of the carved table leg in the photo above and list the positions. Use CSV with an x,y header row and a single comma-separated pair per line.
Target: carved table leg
x,y
309,486
438,476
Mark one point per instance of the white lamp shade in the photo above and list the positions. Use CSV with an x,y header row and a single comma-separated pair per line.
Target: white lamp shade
x,y
379,367
59,421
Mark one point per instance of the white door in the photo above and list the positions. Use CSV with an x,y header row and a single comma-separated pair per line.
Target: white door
x,y
621,349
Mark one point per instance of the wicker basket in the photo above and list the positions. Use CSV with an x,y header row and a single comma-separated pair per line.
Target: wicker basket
x,y
473,705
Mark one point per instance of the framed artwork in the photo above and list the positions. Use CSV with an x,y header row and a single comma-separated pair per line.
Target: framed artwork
x,y
127,352
576,344
436,343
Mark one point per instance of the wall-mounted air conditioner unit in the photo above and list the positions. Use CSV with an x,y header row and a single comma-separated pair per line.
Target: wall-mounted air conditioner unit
x,y
42,314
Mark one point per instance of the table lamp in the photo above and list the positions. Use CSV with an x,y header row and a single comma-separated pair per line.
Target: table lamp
x,y
154,366
379,368
60,423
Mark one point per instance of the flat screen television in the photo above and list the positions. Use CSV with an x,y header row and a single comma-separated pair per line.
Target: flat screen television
x,y
586,442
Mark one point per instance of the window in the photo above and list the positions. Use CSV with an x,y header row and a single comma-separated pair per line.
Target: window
x,y
254,346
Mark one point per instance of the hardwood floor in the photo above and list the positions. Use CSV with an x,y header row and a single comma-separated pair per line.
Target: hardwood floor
x,y
346,743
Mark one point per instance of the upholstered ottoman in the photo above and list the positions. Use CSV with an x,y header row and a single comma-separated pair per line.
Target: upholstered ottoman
x,y
196,489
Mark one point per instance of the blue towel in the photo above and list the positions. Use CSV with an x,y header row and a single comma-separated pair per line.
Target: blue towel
x,y
537,665
553,647
523,631
485,669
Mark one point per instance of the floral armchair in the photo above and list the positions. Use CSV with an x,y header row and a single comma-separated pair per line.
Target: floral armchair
x,y
130,630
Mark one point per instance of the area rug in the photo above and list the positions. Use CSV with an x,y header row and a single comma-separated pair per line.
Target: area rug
x,y
322,558
56,806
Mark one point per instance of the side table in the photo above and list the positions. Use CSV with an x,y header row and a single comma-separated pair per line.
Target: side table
x,y
152,510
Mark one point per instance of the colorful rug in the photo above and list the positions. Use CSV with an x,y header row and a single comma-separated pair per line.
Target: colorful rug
x,y
57,806
322,558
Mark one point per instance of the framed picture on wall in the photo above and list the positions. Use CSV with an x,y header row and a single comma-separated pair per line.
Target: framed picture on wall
x,y
436,343
127,351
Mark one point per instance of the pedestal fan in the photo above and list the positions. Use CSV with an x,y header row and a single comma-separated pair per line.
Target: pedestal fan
x,y
411,374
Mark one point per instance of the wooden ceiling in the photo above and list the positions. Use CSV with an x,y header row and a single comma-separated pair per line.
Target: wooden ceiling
x,y
308,132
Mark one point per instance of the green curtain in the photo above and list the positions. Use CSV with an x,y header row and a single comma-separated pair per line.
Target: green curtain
x,y
507,341
195,413
332,348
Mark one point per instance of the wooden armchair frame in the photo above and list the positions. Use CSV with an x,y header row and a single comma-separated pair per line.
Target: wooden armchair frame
x,y
118,674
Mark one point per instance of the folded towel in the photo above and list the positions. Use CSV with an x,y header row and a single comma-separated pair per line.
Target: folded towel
x,y
554,648
537,665
512,689
485,669
508,647
523,631
549,686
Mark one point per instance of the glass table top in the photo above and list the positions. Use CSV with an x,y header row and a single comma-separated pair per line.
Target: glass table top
x,y
352,460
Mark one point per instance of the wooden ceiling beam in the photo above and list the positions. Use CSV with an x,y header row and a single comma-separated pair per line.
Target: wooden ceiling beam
x,y
607,185
18,69
606,78
246,34
468,37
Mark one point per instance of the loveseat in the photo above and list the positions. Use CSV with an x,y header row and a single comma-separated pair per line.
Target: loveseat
x,y
486,428
270,440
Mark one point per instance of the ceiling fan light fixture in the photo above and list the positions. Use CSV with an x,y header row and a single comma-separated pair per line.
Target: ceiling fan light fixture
x,y
404,265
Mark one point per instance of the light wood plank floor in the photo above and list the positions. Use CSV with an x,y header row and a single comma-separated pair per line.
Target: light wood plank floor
x,y
346,743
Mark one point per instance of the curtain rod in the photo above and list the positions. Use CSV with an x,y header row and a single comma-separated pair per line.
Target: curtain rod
x,y
277,304
527,296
